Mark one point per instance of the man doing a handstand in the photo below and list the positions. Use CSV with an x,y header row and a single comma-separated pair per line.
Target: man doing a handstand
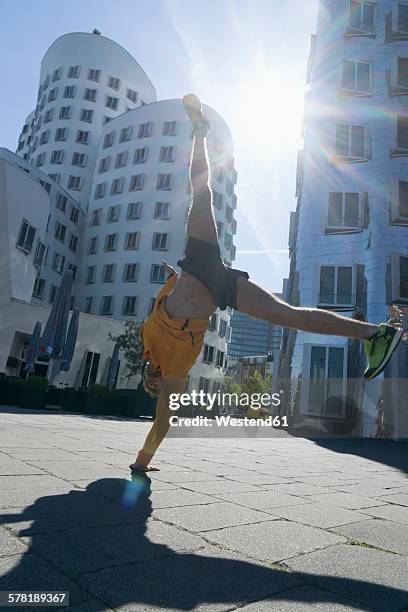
x,y
173,335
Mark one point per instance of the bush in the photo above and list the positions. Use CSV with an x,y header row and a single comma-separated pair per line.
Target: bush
x,y
36,383
99,390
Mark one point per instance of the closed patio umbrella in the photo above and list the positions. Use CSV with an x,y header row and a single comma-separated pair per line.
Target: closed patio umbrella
x,y
113,366
33,348
70,341
53,338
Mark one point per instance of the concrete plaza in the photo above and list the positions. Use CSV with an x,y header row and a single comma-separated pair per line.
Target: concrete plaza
x,y
254,524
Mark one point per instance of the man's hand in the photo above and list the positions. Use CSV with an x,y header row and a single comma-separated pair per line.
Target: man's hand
x,y
169,269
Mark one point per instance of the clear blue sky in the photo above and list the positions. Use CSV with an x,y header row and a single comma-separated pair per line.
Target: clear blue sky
x,y
245,58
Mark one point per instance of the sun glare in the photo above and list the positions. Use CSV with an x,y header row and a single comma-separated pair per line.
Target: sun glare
x,y
269,114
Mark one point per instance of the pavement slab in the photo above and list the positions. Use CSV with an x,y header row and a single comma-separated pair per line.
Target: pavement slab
x,y
382,534
318,515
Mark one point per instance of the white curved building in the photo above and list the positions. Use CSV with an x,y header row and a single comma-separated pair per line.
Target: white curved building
x,y
138,210
349,235
85,81
98,132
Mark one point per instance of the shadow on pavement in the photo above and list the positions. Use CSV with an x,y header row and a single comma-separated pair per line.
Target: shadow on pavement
x,y
102,542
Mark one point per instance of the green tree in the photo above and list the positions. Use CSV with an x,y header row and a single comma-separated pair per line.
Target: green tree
x,y
256,383
131,344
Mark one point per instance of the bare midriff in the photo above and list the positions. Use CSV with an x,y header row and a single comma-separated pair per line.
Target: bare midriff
x,y
190,299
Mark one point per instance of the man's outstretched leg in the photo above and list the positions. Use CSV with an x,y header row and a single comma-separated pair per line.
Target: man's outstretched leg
x,y
380,341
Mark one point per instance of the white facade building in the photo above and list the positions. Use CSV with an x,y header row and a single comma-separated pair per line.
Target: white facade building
x,y
100,143
349,234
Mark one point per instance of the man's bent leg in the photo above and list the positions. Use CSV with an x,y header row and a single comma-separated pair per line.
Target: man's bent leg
x,y
256,302
161,424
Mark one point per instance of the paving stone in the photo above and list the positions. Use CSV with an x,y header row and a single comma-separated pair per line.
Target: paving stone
x,y
274,540
399,514
10,466
179,497
182,476
346,500
365,489
36,482
46,454
213,516
318,515
85,550
209,580
219,485
383,534
296,488
260,500
30,573
304,599
259,479
10,545
401,499
77,470
375,578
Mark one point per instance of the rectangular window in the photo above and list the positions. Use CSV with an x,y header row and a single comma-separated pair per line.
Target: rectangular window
x,y
74,214
53,293
100,191
131,272
55,176
169,128
56,75
111,242
73,269
75,182
112,102
362,17
134,210
132,240
326,380
157,274
402,132
121,159
131,95
145,130
93,245
108,275
90,275
130,305
107,305
104,164
160,242
40,160
73,72
73,243
212,326
26,236
161,210
336,286
60,231
163,181
38,289
351,142
220,359
57,157
140,156
208,353
344,210
166,154
125,134
69,91
90,95
136,182
151,306
113,213
79,159
114,83
65,112
223,328
61,134
58,263
86,115
402,75
117,185
39,254
82,137
52,95
88,306
94,75
108,140
48,115
217,199
96,217
356,76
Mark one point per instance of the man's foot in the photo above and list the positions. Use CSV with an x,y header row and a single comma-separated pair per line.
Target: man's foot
x,y
139,467
193,109
379,348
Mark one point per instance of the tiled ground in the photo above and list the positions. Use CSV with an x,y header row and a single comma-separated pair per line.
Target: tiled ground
x,y
282,524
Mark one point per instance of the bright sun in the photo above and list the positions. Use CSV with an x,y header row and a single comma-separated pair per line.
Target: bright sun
x,y
269,114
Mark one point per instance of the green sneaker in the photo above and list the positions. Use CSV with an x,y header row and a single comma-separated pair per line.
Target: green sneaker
x,y
379,348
